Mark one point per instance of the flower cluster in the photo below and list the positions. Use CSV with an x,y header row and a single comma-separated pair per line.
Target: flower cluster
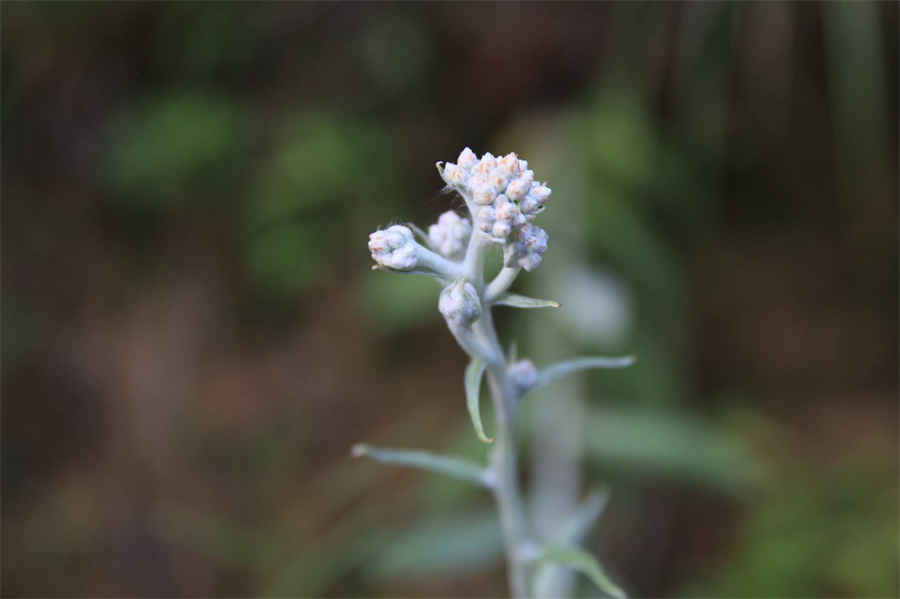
x,y
504,198
394,247
526,247
450,235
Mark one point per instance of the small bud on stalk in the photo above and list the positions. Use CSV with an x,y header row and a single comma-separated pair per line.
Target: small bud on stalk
x,y
459,304
394,248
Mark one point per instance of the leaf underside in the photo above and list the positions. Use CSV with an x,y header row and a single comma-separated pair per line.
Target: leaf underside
x,y
515,300
474,373
455,467
585,563
561,369
382,268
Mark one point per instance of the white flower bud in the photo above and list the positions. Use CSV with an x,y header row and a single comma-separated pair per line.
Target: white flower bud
x,y
467,159
500,177
486,218
519,187
454,174
506,210
483,194
540,192
394,248
459,304
530,206
450,235
509,164
500,229
523,375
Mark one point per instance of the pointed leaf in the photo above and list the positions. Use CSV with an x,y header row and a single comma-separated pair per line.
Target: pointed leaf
x,y
520,301
585,563
455,467
561,369
427,273
584,518
474,372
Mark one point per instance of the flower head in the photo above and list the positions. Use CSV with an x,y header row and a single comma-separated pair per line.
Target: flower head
x,y
394,247
450,234
504,198
527,247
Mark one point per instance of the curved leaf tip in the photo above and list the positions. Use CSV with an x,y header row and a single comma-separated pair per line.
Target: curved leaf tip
x,y
585,563
474,373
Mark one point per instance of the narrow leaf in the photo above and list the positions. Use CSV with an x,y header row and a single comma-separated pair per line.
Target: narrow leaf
x,y
427,273
561,369
584,518
586,564
474,372
455,467
520,301
513,351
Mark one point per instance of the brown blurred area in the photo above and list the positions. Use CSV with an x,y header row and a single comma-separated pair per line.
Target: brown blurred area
x,y
193,340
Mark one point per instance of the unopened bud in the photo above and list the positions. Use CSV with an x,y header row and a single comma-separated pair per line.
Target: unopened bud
x,y
394,248
467,159
450,234
459,304
454,174
483,193
523,375
527,247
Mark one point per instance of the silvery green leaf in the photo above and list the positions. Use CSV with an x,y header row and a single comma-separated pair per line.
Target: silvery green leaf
x,y
585,563
428,273
520,301
456,467
584,518
474,373
561,369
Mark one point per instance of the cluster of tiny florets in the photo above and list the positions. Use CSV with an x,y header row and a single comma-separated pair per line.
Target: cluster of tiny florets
x,y
526,247
450,235
394,247
504,198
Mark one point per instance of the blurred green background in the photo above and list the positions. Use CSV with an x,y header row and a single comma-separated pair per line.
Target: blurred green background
x,y
192,337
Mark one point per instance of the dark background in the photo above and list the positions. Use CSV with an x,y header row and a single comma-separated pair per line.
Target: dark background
x,y
192,337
